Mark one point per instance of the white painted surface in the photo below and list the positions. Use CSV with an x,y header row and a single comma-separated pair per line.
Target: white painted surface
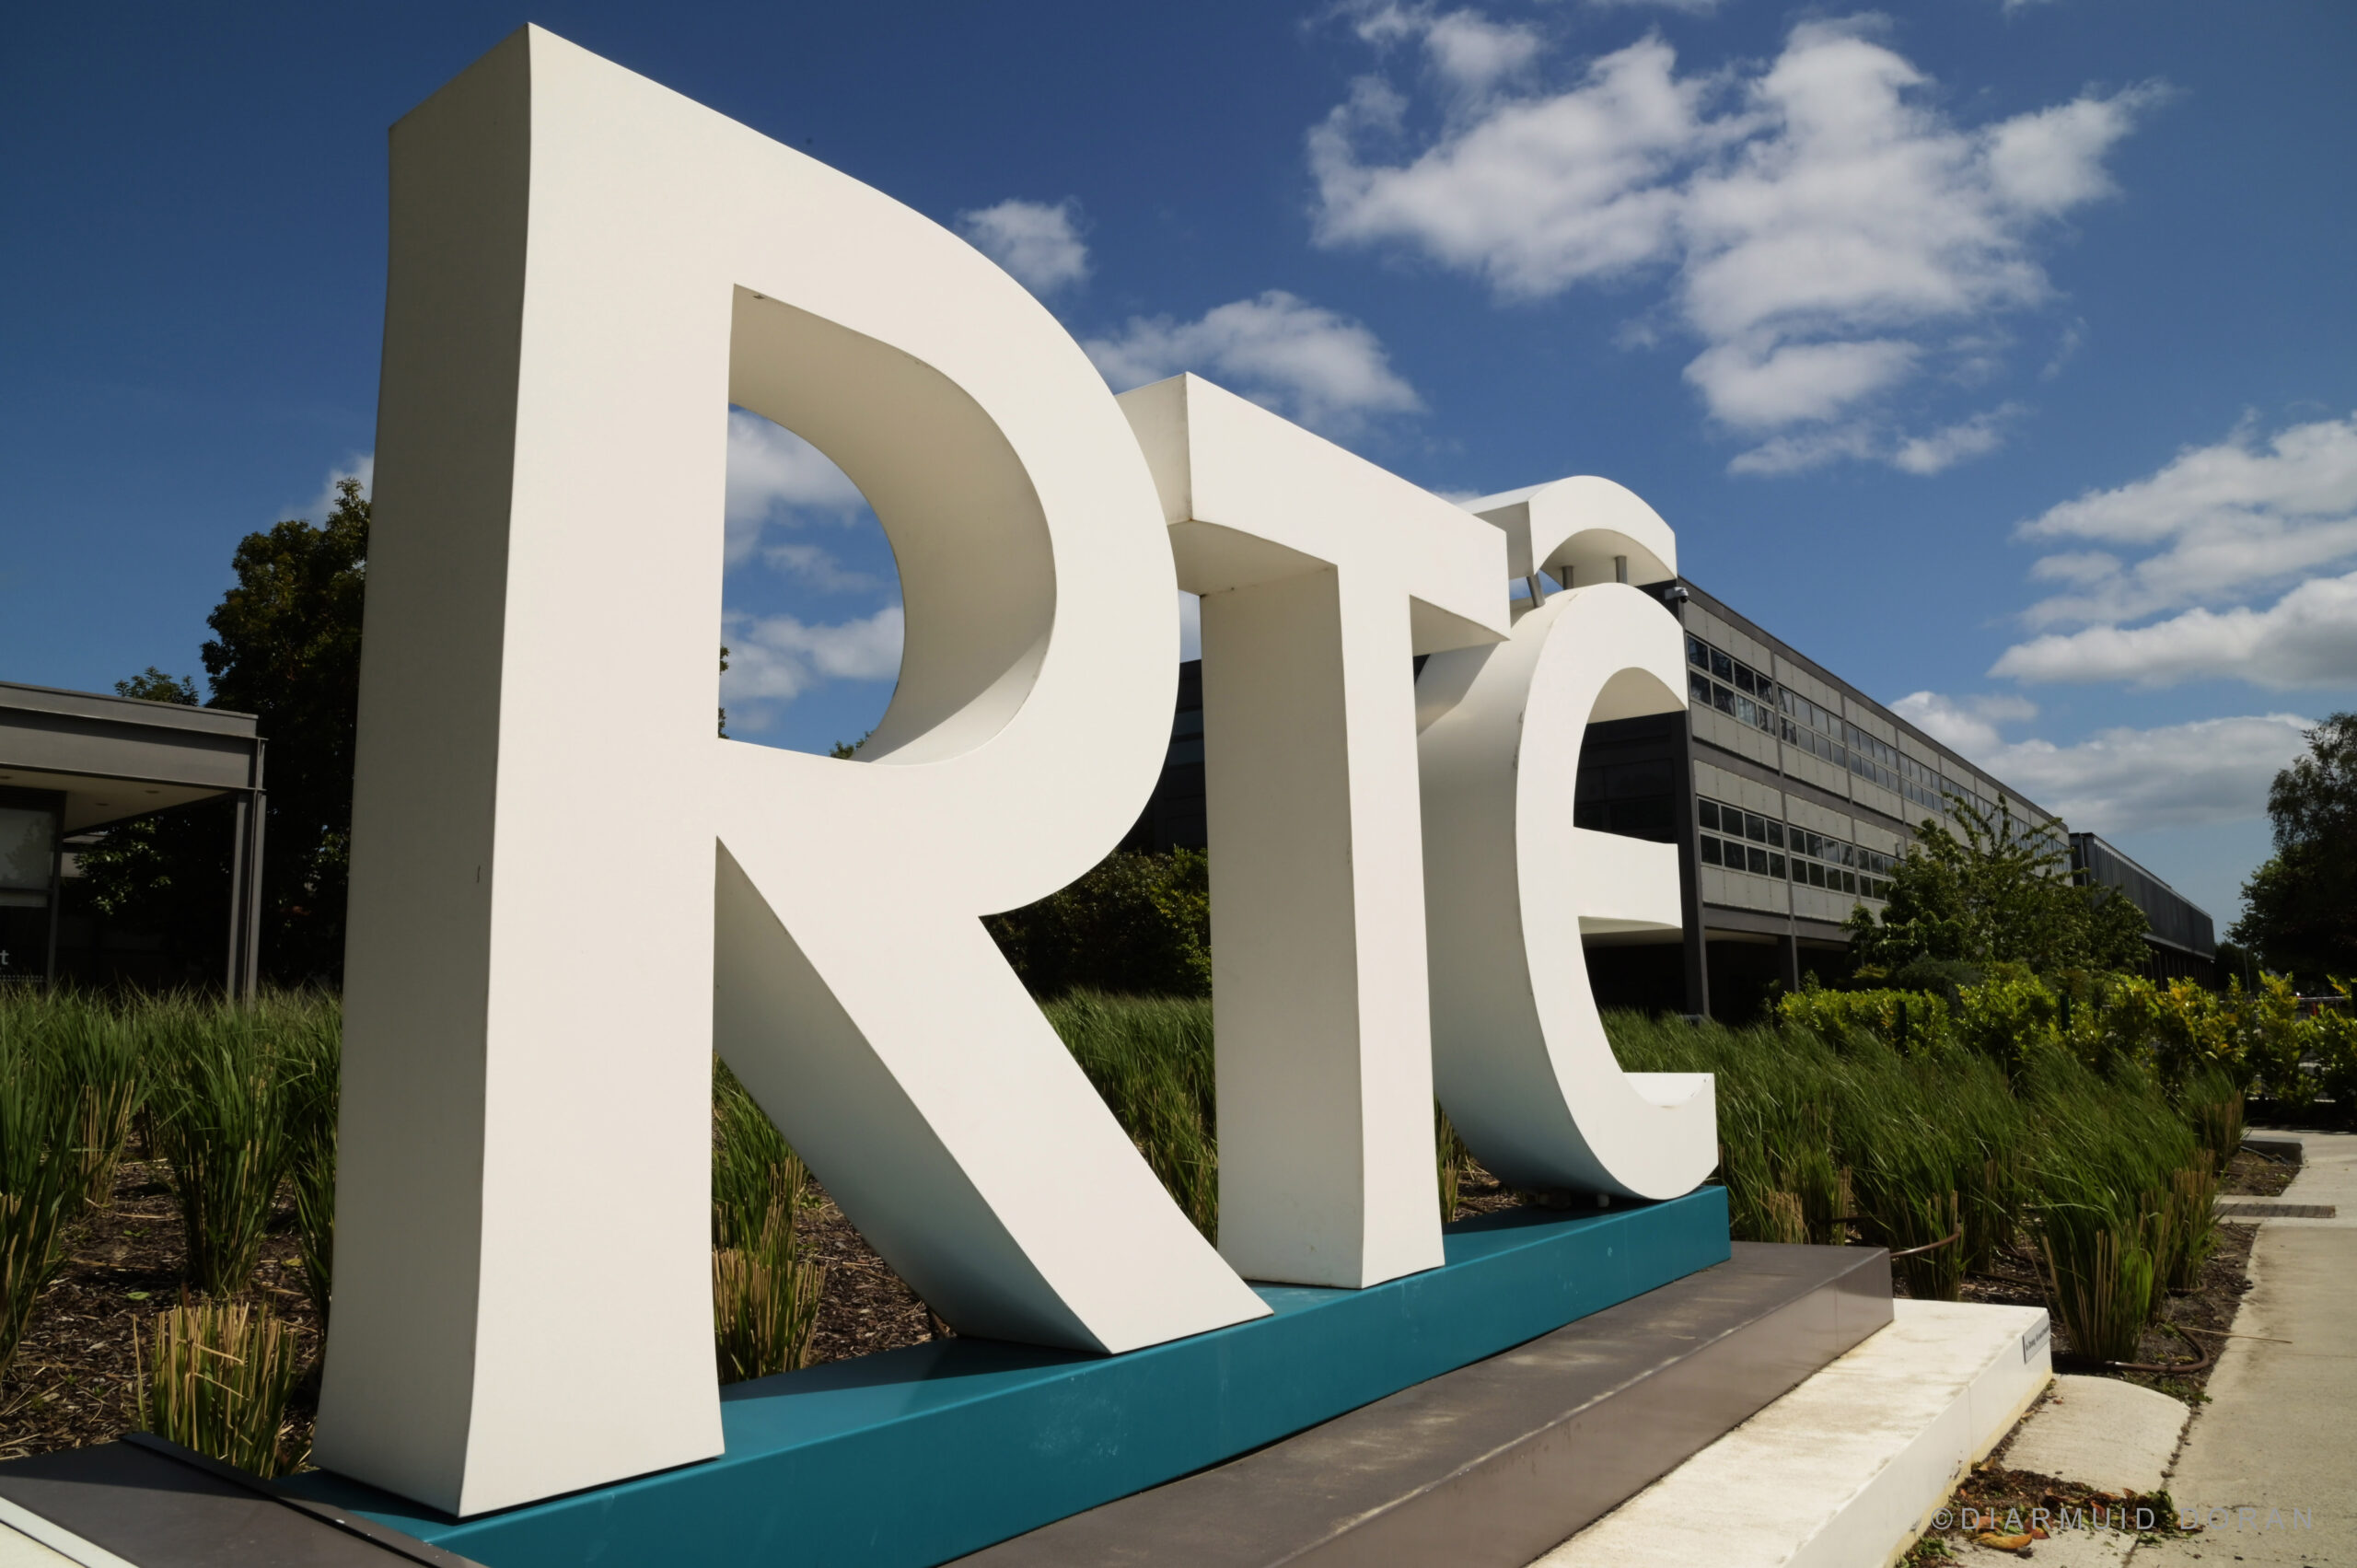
x,y
2102,1432
1581,531
1321,576
586,268
1845,1469
1519,1050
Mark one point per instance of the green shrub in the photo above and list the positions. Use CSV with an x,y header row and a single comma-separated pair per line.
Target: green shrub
x,y
2269,1040
1137,924
217,1379
2332,1039
1908,1021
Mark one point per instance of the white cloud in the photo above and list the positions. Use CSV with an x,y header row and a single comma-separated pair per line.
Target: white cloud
x,y
1324,369
775,658
1038,241
819,567
2124,781
1969,724
2306,638
1820,220
2218,521
1941,449
774,474
2121,780
361,466
1691,7
1805,450
1465,49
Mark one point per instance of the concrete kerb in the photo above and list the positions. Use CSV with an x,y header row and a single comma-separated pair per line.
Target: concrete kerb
x,y
2102,1432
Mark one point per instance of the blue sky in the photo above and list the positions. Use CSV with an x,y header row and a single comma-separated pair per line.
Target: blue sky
x,y
2002,356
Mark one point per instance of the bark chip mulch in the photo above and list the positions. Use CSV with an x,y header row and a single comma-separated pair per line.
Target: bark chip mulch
x,y
72,1383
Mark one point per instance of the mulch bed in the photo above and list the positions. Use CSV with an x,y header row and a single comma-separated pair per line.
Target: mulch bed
x,y
2211,1304
72,1383
2256,1175
865,1307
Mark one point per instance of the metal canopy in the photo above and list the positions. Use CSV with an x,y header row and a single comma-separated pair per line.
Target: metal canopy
x,y
103,760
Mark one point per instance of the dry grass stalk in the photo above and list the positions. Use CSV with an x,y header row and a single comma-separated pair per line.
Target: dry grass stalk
x,y
222,1372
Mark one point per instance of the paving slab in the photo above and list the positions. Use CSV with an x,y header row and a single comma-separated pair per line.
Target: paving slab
x,y
1845,1469
2272,1459
2102,1432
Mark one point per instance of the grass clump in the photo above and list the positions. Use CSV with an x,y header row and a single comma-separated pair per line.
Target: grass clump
x,y
41,1178
216,1379
218,1118
765,1294
1150,1059
309,1029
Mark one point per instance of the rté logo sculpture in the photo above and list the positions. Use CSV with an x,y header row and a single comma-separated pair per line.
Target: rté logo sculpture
x,y
585,269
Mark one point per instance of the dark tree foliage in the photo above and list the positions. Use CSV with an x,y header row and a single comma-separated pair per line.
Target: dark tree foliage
x,y
285,647
1998,894
1138,924
2299,912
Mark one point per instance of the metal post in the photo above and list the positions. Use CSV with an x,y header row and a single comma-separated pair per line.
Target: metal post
x,y
243,978
235,967
260,818
56,900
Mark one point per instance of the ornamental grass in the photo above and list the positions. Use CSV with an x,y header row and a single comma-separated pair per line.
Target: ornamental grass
x,y
765,1294
214,1376
1150,1059
218,1119
308,1027
41,1178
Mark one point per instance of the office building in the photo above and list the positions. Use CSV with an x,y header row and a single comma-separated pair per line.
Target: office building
x,y
1791,795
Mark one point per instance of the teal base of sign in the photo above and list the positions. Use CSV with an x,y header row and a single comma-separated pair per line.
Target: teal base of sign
x,y
914,1457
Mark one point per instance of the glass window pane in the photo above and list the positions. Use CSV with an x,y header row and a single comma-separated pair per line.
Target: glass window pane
x,y
1697,688
1710,850
26,842
1723,699
1721,666
1776,867
1708,810
1775,835
1742,679
1759,861
1696,653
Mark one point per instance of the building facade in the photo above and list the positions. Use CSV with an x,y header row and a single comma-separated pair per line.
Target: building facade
x,y
1791,795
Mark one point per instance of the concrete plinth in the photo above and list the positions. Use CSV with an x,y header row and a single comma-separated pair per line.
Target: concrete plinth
x,y
1492,1464
1843,1471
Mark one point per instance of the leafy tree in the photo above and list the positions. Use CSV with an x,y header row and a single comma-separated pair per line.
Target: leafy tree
x,y
285,647
2000,893
1138,924
2300,911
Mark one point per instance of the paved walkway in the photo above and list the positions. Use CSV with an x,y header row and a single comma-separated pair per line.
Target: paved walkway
x,y
2278,1442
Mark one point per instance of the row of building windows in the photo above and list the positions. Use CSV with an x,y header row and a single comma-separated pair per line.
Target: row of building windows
x,y
1727,684
1745,841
